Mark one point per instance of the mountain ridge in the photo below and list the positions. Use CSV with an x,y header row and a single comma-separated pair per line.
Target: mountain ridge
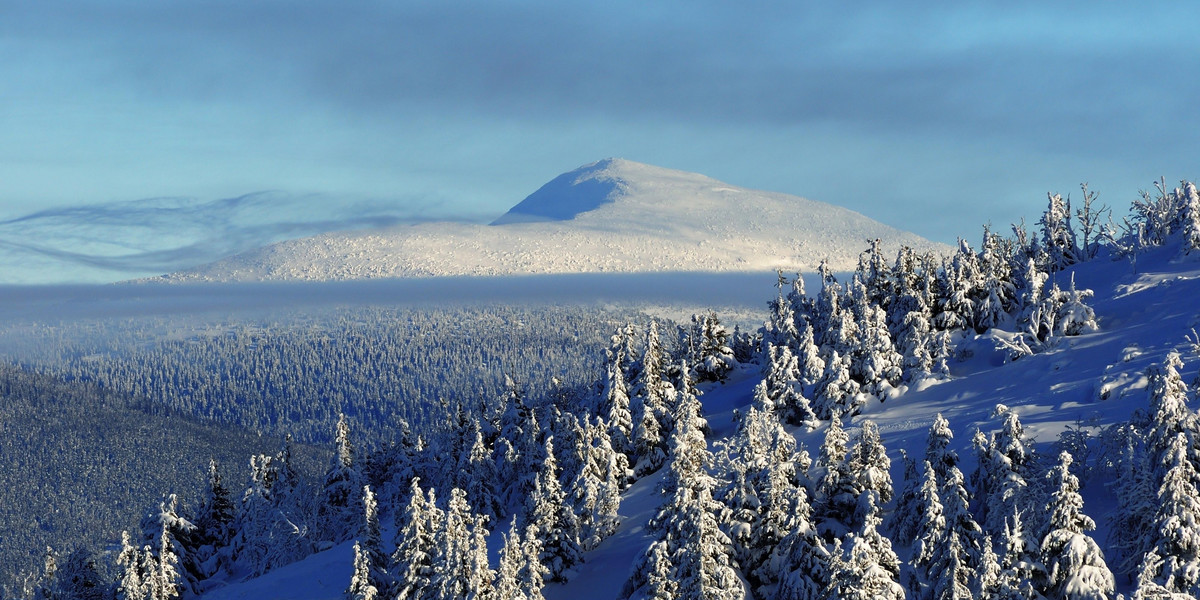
x,y
612,215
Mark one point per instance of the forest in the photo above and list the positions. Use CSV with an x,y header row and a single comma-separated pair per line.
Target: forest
x,y
546,460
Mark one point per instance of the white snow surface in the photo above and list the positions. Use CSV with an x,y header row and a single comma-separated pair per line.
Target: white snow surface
x,y
1093,379
612,216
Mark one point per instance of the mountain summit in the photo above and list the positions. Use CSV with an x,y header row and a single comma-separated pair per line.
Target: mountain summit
x,y
614,216
584,189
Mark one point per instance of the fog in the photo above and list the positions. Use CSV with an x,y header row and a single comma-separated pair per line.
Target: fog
x,y
51,303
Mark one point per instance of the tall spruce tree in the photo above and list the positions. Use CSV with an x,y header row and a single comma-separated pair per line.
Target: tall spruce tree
x,y
417,532
1177,521
557,525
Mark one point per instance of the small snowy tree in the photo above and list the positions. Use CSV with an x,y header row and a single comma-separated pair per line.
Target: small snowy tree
x,y
1075,317
1074,563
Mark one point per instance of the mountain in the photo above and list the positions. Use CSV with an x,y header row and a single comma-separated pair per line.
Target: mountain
x,y
613,216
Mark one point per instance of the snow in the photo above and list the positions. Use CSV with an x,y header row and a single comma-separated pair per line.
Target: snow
x,y
613,216
1091,380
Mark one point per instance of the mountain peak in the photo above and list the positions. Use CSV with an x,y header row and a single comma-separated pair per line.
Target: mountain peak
x,y
585,189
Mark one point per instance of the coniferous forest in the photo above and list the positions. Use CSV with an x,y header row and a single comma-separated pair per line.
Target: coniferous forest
x,y
418,437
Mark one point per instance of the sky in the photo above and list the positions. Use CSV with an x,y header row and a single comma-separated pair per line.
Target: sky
x,y
932,117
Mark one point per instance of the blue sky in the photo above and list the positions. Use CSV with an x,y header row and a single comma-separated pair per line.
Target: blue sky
x,y
933,117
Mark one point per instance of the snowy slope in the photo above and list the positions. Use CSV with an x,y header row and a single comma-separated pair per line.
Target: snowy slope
x,y
1094,380
611,216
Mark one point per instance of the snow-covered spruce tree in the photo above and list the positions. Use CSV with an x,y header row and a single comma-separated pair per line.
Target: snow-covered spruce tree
x,y
780,328
595,491
827,308
1177,521
1021,566
905,278
460,562
214,523
928,534
1190,209
1058,236
987,581
902,525
881,364
519,464
996,294
652,416
477,474
174,538
532,574
869,569
761,464
78,578
1149,589
870,466
686,524
507,584
808,358
1132,521
163,580
781,502
339,507
1075,567
964,537
784,389
1133,528
875,274
417,534
616,403
954,309
999,484
836,496
370,540
802,305
714,358
360,587
703,566
915,340
937,448
952,581
1074,316
132,584
653,577
1170,414
801,561
557,525
836,392
1031,282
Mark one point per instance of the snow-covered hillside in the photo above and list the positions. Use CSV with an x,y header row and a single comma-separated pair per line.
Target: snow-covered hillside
x,y
610,216
1081,383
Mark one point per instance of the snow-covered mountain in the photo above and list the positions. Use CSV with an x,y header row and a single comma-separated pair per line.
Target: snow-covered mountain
x,y
614,215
